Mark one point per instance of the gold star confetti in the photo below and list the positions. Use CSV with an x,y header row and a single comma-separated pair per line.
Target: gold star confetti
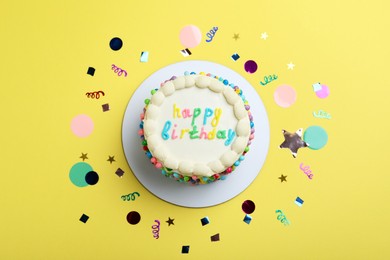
x,y
283,178
111,159
236,36
84,156
170,221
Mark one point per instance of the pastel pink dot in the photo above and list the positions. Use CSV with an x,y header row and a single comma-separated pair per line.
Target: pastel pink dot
x,y
323,92
82,125
190,36
285,96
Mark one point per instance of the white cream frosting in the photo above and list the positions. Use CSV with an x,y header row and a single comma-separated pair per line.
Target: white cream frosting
x,y
187,156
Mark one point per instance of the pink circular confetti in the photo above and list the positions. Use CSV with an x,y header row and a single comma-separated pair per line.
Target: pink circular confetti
x,y
285,96
190,36
323,92
250,66
82,125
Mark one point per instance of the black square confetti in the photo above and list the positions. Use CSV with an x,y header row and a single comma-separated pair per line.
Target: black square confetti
x,y
205,221
185,249
215,238
91,71
84,218
106,107
119,172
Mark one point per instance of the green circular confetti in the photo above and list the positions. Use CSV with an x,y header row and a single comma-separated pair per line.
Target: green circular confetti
x,y
316,137
77,173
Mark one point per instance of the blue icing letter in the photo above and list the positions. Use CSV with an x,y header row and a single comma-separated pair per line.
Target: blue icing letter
x,y
207,113
231,135
164,133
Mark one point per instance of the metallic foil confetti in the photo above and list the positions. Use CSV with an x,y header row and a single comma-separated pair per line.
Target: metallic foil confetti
x,y
247,219
248,206
84,218
144,56
116,44
299,201
119,172
185,249
215,237
133,217
235,56
105,107
250,66
205,221
91,71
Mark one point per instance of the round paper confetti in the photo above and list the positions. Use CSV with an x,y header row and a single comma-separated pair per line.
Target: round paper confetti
x,y
91,178
190,36
78,173
250,66
82,125
116,44
323,92
248,206
285,96
316,137
133,217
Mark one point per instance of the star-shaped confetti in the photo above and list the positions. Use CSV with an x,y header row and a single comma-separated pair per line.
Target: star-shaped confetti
x,y
236,36
293,141
283,178
264,36
170,221
111,159
84,156
290,66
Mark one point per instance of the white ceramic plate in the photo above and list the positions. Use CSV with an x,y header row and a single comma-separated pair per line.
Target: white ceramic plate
x,y
183,194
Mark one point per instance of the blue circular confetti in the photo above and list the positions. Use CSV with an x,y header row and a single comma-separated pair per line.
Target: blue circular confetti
x,y
116,44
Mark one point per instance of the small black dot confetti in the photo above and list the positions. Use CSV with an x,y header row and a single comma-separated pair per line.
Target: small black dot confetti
x,y
116,44
185,249
91,71
248,206
215,238
106,107
119,172
133,217
91,178
205,221
84,218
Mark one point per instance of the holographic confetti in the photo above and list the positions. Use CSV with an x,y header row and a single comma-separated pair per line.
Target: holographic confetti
x,y
133,217
250,66
211,34
119,172
235,56
156,229
116,44
91,71
215,238
247,219
185,52
248,206
185,249
299,201
306,170
106,107
293,141
118,70
144,56
130,196
95,94
268,79
282,217
322,91
205,221
84,218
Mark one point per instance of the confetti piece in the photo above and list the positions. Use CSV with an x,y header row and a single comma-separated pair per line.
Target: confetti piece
x,y
268,79
84,156
211,34
185,249
293,141
156,229
250,66
170,221
130,196
82,125
235,56
91,178
247,219
317,87
95,94
133,217
282,217
285,96
306,170
144,56
116,44
84,218
316,137
248,206
190,36
322,114
111,159
290,66
106,107
236,36
215,238
119,172
118,70
322,91
264,36
185,52
283,178
205,221
91,71
299,201
78,172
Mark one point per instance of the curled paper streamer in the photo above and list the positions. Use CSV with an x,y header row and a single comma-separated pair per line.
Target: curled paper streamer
x,y
211,34
130,196
282,218
268,79
156,229
118,70
95,94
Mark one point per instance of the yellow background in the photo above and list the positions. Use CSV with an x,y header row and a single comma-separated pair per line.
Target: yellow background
x,y
46,48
